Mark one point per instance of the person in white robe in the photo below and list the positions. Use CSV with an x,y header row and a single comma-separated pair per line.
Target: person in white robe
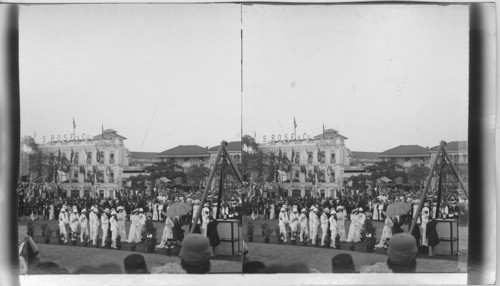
x,y
353,235
282,221
423,226
113,224
333,228
83,222
120,219
324,225
341,223
63,222
386,233
134,225
313,225
105,226
168,233
303,221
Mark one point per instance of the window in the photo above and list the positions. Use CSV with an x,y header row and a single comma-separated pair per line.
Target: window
x,y
322,176
89,178
75,159
111,177
64,155
297,158
296,193
322,192
309,157
89,158
111,158
321,158
332,177
332,158
101,157
297,174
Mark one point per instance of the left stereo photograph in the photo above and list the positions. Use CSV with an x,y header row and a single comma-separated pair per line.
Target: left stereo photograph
x,y
130,139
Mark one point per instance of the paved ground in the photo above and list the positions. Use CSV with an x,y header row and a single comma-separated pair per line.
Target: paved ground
x,y
319,258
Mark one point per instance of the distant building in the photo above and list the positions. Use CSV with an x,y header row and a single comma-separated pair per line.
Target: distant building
x,y
458,150
186,155
95,164
234,149
407,155
318,164
459,153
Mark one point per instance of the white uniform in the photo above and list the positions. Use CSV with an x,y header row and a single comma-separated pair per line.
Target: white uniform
x,y
104,227
205,213
120,218
73,222
63,221
140,226
282,221
114,230
303,226
94,227
313,226
386,232
341,225
132,233
324,227
84,229
333,230
294,221
423,226
353,235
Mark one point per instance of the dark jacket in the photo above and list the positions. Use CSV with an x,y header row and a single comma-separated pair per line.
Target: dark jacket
x,y
213,235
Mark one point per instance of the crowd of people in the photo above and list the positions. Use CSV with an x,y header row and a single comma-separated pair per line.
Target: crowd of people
x,y
101,221
329,221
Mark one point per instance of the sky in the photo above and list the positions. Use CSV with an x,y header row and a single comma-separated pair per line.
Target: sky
x,y
160,75
381,75
168,75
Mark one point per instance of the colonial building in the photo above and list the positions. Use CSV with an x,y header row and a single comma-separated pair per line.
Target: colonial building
x,y
234,149
95,165
186,155
458,151
407,156
318,164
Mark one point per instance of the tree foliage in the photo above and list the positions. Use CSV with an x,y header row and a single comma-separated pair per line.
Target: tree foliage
x,y
168,169
417,174
197,173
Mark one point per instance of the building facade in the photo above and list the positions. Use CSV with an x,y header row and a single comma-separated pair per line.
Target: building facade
x,y
186,156
95,165
318,164
234,149
407,156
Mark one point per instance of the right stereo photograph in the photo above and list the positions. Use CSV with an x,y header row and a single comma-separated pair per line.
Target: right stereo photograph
x,y
354,138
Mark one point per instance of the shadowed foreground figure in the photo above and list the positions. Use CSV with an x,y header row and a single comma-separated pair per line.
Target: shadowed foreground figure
x,y
195,254
401,256
135,264
253,267
296,267
343,263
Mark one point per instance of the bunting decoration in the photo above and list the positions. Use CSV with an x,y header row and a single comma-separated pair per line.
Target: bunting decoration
x,y
293,156
72,156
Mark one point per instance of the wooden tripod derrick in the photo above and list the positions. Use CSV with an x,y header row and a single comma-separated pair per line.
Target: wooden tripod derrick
x,y
445,156
222,156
